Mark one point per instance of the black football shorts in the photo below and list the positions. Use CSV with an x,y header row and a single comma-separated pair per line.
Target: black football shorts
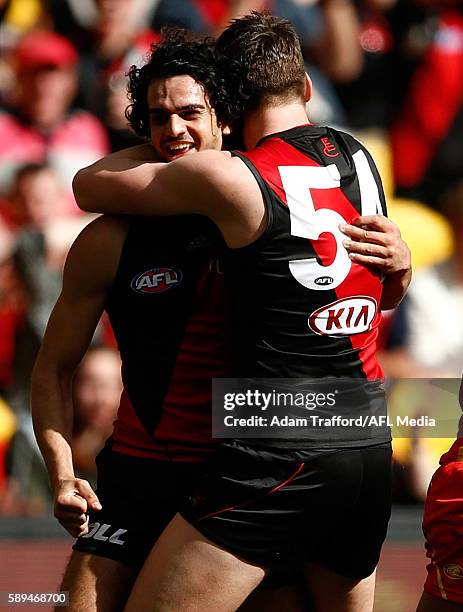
x,y
139,498
274,507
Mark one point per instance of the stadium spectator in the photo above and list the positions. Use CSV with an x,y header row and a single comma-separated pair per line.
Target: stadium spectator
x,y
115,92
97,388
391,35
17,17
37,197
425,318
114,37
40,250
328,30
42,240
331,49
42,124
427,136
76,20
12,305
203,16
427,343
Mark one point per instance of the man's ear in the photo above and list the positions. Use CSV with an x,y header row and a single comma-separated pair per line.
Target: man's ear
x,y
308,88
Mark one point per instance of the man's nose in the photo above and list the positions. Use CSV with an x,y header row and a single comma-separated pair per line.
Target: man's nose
x,y
176,126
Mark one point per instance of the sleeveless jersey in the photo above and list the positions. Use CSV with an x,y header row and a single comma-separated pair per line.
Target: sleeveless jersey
x,y
167,309
305,309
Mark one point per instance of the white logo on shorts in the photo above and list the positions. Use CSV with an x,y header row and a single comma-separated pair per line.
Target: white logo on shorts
x,y
97,532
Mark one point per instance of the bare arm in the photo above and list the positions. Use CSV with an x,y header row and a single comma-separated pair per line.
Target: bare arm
x,y
209,183
376,241
340,54
89,270
132,182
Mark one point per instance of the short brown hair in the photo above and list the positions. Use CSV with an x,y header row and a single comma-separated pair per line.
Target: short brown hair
x,y
261,60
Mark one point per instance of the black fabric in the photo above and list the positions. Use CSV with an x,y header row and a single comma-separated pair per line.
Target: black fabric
x,y
150,326
278,507
140,496
271,309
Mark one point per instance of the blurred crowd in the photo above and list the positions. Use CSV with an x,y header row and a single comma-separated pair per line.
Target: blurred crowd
x,y
388,71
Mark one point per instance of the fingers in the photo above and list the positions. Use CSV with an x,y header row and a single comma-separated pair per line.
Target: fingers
x,y
84,489
375,240
376,222
71,517
362,234
77,526
388,260
370,260
366,248
369,248
78,495
73,498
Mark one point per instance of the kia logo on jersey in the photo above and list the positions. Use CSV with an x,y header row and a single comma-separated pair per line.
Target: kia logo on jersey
x,y
352,315
157,280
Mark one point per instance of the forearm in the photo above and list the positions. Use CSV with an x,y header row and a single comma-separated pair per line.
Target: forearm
x,y
52,415
394,288
138,153
340,53
110,184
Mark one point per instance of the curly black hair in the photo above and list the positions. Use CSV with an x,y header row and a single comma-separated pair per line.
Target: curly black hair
x,y
179,52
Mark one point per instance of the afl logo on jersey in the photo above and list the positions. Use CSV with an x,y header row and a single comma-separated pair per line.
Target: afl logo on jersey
x,y
157,280
346,317
324,280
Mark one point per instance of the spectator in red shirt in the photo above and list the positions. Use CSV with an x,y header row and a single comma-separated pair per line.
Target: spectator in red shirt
x,y
42,125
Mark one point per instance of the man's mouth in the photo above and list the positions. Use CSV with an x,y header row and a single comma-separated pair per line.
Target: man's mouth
x,y
177,149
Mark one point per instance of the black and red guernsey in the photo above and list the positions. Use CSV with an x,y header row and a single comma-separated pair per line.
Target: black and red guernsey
x,y
305,309
167,309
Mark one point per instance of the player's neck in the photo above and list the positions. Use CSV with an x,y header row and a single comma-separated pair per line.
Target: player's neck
x,y
271,119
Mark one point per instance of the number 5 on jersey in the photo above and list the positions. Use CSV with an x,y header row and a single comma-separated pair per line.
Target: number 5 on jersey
x,y
308,222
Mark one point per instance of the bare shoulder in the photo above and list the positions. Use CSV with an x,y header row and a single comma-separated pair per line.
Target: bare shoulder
x,y
210,163
101,235
222,172
229,195
94,256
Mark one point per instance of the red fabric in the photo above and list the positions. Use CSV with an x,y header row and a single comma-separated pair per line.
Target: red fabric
x,y
78,141
360,281
10,320
213,12
108,337
443,528
435,96
131,438
10,215
136,53
39,49
3,476
184,430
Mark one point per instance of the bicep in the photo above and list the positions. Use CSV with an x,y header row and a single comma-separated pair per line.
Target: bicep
x,y
70,330
89,272
184,186
143,189
382,208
